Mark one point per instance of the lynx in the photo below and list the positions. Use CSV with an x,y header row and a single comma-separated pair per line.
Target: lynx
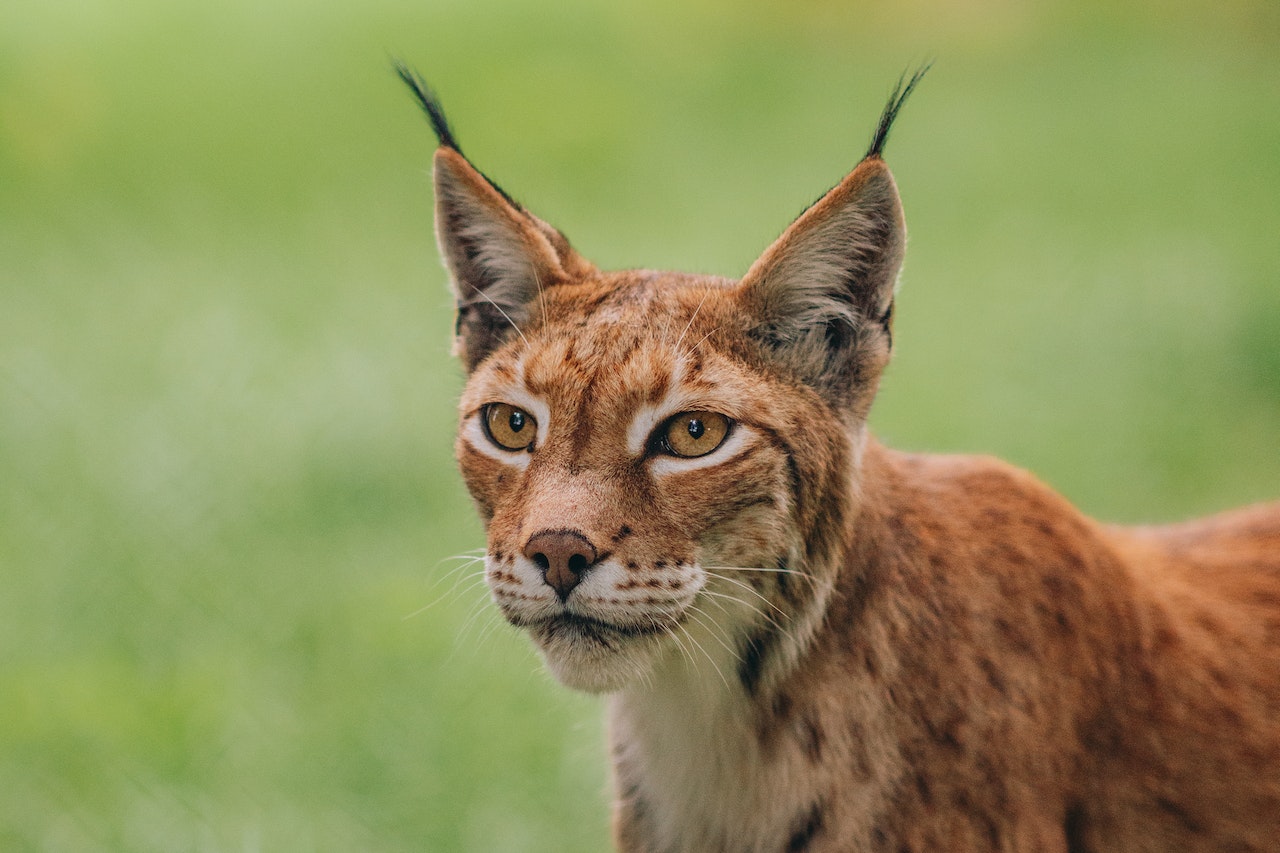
x,y
809,641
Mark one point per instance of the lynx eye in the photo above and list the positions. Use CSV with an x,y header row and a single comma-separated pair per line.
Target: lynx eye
x,y
691,434
509,427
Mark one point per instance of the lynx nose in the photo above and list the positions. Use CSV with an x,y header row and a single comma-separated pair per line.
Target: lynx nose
x,y
564,557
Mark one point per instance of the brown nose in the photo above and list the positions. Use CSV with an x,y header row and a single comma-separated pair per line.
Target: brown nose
x,y
564,557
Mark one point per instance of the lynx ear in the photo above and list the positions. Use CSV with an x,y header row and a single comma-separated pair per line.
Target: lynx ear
x,y
498,256
822,295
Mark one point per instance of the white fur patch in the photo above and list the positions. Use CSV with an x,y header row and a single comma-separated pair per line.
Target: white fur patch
x,y
647,418
677,400
514,394
739,441
473,433
518,395
647,606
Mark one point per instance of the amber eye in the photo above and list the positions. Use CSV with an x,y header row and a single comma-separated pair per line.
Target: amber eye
x,y
692,434
508,427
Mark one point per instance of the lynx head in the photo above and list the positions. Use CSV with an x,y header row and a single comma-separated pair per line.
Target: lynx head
x,y
666,464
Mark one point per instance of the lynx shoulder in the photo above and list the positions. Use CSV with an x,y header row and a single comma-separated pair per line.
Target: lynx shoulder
x,y
809,641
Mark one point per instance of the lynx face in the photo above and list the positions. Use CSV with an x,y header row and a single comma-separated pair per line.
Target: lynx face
x,y
665,462
629,472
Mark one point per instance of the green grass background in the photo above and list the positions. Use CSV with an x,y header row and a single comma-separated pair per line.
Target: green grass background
x,y
227,500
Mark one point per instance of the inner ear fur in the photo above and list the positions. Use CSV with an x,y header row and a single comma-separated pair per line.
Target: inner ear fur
x,y
498,255
822,295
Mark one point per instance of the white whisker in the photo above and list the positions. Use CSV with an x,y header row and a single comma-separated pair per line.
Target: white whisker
x,y
679,340
713,596
705,654
703,338
478,609
456,591
542,299
697,612
758,569
684,651
749,588
505,316
491,628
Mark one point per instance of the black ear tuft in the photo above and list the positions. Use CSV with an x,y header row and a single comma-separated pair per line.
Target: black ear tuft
x,y
896,99
429,102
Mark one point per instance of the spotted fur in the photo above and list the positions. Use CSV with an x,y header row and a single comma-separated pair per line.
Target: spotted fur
x,y
810,642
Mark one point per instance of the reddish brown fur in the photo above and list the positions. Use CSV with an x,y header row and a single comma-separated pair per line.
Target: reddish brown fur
x,y
812,642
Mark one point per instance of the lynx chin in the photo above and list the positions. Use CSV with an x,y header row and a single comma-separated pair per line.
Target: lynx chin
x,y
810,641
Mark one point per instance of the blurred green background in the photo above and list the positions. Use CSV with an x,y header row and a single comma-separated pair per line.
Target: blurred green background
x,y
229,617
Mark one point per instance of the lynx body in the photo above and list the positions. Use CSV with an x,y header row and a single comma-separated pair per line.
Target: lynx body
x,y
809,641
